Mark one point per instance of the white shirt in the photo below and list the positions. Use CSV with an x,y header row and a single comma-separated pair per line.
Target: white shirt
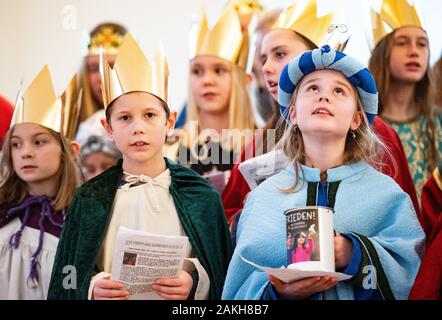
x,y
147,207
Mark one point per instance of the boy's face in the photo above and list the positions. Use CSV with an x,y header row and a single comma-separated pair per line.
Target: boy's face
x,y
138,126
326,104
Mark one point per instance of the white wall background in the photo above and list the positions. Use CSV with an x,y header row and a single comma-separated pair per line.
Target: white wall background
x,y
36,32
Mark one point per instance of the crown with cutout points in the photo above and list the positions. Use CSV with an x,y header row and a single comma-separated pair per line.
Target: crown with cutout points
x,y
394,14
39,104
224,40
133,72
302,17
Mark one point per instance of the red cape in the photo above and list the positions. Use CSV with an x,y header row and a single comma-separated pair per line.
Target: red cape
x,y
432,205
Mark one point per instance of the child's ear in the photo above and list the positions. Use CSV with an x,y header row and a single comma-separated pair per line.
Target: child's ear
x,y
357,120
292,114
171,120
107,128
75,148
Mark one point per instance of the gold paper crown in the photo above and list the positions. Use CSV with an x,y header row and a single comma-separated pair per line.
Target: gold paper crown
x,y
70,99
40,105
132,72
394,14
247,6
302,17
107,36
224,40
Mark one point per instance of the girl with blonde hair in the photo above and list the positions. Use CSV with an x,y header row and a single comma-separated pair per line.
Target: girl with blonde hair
x,y
329,101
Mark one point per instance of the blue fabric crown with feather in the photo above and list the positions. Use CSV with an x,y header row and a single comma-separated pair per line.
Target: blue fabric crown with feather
x,y
327,58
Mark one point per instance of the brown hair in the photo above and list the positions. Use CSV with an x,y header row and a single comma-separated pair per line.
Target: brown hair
x,y
379,66
437,72
365,146
275,121
13,190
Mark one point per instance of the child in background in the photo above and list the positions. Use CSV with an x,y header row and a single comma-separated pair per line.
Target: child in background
x,y
400,66
219,104
97,155
39,178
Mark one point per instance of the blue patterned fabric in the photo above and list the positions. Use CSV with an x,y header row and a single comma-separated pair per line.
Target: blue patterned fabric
x,y
328,58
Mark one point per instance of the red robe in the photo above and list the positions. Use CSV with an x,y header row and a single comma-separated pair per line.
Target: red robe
x,y
237,188
6,111
431,199
428,283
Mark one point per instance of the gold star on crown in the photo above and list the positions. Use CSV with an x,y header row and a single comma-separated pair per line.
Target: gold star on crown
x,y
108,38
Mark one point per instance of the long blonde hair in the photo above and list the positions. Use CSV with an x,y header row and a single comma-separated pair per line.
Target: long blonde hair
x,y
13,190
379,66
365,146
240,109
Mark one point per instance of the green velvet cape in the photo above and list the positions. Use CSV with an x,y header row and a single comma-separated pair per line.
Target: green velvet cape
x,y
199,209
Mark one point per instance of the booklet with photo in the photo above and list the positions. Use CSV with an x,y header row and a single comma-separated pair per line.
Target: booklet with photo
x,y
257,170
310,238
140,258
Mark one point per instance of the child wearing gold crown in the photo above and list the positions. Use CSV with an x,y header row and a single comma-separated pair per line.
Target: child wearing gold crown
x,y
39,177
109,36
400,66
144,191
218,104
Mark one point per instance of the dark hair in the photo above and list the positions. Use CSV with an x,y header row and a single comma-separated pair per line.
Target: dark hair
x,y
379,66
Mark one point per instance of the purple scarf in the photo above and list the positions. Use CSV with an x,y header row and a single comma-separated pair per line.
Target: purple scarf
x,y
46,213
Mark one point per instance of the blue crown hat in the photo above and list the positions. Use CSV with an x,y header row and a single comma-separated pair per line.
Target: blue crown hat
x,y
327,58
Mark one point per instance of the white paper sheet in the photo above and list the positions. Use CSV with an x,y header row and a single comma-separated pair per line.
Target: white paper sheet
x,y
140,258
258,169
